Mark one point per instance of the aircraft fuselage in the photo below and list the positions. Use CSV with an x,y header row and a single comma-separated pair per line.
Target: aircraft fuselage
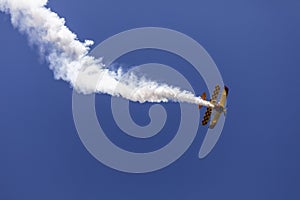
x,y
219,108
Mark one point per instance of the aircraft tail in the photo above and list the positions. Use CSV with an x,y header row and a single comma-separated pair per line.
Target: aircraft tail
x,y
203,96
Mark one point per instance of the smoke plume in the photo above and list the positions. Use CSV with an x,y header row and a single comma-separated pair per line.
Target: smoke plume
x,y
68,57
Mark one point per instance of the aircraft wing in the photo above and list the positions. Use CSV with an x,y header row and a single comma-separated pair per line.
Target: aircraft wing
x,y
224,97
214,120
207,116
215,93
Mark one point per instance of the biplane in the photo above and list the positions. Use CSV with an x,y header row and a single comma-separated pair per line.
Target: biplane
x,y
218,109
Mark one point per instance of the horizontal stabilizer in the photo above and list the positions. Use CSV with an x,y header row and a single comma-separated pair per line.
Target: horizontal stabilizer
x,y
203,96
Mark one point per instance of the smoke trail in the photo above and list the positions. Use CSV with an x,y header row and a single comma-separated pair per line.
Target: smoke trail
x,y
68,57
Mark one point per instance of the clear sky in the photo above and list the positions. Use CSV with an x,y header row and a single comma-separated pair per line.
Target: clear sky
x,y
254,43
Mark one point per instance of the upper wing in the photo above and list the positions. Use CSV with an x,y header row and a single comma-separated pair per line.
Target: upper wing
x,y
224,97
214,120
215,93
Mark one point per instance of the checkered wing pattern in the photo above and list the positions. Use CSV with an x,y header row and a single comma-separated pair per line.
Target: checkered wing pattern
x,y
215,93
207,116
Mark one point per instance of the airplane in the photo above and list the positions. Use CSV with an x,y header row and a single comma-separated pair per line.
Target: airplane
x,y
219,107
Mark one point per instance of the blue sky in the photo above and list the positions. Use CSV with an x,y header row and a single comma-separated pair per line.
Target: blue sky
x,y
255,44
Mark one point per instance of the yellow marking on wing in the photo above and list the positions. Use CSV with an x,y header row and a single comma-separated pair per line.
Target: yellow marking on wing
x,y
215,120
223,98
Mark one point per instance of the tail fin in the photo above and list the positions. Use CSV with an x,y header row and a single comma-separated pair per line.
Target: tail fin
x,y
203,96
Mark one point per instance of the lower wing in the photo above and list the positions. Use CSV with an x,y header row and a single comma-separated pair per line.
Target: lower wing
x,y
207,116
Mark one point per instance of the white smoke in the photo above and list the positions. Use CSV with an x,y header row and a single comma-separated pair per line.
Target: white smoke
x,y
68,57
